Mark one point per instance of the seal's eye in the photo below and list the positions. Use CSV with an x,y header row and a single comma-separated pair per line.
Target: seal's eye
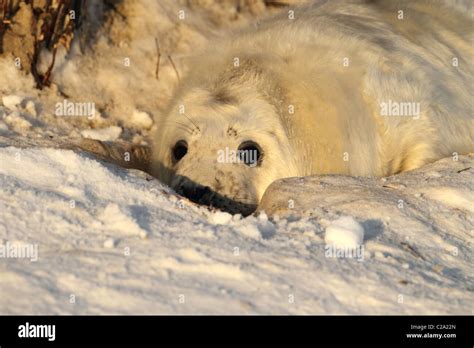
x,y
250,153
179,150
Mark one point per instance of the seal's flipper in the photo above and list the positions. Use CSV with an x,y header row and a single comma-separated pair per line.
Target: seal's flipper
x,y
123,154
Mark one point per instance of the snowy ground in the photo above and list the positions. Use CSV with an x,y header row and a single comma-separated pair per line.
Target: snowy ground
x,y
111,240
102,239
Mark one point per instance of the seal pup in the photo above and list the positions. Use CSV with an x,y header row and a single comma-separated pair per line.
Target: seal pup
x,y
365,88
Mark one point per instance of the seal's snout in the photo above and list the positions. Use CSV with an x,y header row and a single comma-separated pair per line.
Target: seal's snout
x,y
195,193
206,195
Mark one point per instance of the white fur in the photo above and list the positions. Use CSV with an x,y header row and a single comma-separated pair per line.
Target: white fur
x,y
336,126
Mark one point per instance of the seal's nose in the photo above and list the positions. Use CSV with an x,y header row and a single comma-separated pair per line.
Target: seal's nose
x,y
195,192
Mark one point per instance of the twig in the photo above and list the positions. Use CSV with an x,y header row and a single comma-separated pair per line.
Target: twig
x,y
3,22
58,30
412,250
33,60
5,10
277,3
158,52
47,76
174,66
463,170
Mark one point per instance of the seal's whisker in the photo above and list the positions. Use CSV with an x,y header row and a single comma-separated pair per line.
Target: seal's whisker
x,y
181,125
190,120
252,130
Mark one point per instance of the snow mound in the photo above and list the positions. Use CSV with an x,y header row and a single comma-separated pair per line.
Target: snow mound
x,y
12,101
104,134
141,119
112,240
345,232
119,220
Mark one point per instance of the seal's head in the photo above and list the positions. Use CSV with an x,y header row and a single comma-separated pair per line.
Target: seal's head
x,y
223,145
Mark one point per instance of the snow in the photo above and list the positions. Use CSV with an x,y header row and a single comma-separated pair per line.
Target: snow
x,y
452,197
110,243
121,242
30,108
141,119
345,232
120,220
220,218
104,134
12,101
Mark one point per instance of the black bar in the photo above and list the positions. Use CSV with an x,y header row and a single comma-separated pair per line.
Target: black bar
x,y
288,330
